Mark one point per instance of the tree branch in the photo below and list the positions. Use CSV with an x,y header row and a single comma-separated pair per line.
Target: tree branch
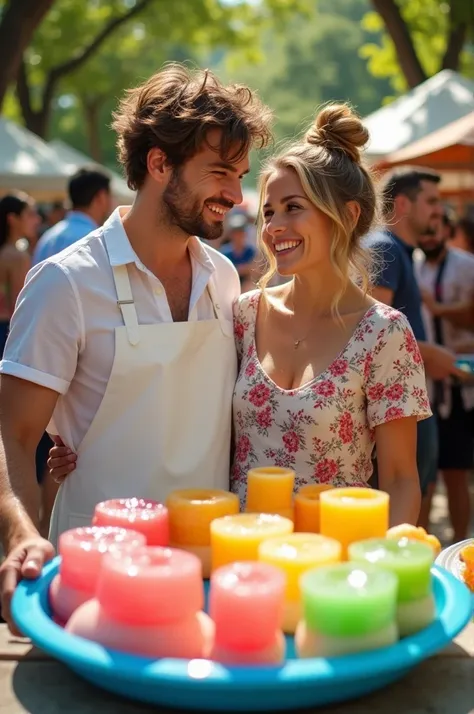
x,y
456,39
398,30
74,63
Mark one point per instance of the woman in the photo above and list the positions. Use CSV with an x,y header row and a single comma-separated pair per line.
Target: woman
x,y
326,372
464,235
19,220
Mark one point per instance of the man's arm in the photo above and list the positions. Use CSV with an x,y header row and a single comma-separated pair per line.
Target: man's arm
x,y
21,428
439,362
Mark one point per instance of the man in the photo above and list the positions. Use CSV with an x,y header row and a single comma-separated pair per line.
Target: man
x,y
91,201
240,253
412,207
136,371
446,276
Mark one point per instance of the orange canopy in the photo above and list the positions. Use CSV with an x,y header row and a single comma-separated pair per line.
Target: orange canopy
x,y
449,148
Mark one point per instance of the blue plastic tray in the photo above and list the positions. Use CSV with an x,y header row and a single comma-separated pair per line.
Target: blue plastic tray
x,y
206,686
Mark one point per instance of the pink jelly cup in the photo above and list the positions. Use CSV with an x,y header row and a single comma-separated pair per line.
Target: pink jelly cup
x,y
82,551
247,604
150,585
139,514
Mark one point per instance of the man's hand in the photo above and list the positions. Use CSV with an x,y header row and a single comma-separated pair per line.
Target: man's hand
x,y
25,560
430,303
440,363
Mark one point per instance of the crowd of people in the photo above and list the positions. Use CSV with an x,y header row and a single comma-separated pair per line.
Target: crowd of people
x,y
168,348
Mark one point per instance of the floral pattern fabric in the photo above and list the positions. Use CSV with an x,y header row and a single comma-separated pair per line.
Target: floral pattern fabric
x,y
324,430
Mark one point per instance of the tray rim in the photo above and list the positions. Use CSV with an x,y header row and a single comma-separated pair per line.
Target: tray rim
x,y
29,613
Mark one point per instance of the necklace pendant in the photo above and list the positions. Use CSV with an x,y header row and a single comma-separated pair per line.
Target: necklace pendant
x,y
296,343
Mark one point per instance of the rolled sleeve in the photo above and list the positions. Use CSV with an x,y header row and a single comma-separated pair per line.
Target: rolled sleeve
x,y
46,330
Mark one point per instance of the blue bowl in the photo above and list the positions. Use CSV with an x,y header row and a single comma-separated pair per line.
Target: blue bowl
x,y
208,686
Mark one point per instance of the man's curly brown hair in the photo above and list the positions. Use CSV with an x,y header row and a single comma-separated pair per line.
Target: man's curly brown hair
x,y
176,108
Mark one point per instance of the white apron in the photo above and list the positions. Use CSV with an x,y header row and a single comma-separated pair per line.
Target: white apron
x,y
165,419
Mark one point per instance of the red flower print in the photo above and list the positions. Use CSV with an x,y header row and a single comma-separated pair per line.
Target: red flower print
x,y
291,441
393,413
242,448
339,367
259,394
376,392
368,365
325,470
325,388
239,330
250,350
411,346
264,418
251,369
394,393
346,428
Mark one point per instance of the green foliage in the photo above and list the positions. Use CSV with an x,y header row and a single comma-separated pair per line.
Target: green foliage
x,y
428,24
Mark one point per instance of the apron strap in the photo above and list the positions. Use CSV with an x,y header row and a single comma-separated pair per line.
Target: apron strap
x,y
126,303
211,289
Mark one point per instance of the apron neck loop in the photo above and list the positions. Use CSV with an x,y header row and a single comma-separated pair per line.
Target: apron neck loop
x,y
126,302
211,289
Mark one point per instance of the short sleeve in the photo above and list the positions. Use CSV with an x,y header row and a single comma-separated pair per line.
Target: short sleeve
x,y
245,313
45,330
395,382
387,265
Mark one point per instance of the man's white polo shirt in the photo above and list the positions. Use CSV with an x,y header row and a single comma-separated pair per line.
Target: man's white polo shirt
x,y
62,331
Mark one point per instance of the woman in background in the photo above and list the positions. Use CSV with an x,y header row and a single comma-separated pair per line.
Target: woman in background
x,y
19,223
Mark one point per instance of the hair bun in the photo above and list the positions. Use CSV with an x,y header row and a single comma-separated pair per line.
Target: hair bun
x,y
338,127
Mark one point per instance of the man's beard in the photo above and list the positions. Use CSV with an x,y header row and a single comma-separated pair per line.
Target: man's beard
x,y
184,210
433,252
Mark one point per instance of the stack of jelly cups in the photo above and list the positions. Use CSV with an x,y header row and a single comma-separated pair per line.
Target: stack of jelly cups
x,y
347,608
148,602
411,562
82,551
191,512
246,605
141,515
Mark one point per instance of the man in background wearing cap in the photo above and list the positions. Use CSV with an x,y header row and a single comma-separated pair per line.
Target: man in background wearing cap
x,y
239,251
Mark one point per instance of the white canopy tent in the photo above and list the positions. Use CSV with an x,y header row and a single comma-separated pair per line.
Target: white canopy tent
x,y
28,164
431,106
73,160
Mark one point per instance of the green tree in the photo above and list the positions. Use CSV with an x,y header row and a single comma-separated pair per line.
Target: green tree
x,y
139,28
418,38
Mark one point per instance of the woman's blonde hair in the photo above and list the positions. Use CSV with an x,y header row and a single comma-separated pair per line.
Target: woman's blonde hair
x,y
328,163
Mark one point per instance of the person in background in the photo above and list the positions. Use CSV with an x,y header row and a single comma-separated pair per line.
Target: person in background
x,y
56,212
412,208
238,251
91,201
463,237
446,274
19,222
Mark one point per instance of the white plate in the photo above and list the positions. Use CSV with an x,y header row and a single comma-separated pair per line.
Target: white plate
x,y
450,560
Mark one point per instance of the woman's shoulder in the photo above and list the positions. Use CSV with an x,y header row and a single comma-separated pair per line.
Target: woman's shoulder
x,y
247,302
384,322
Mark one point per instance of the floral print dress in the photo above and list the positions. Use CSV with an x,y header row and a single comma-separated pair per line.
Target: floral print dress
x,y
324,430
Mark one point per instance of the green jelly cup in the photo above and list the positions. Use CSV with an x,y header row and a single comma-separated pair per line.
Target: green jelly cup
x,y
348,599
409,560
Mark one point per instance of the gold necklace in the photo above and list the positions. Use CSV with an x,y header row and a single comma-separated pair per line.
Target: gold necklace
x,y
296,343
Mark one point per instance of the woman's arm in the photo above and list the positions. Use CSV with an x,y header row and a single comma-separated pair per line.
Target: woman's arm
x,y
17,274
398,473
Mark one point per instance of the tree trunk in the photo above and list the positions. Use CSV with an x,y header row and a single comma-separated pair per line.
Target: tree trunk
x,y
91,112
456,38
404,47
20,19
36,120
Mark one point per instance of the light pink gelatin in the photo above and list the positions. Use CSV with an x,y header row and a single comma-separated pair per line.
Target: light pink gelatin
x,y
190,638
151,585
145,516
246,604
82,551
148,602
